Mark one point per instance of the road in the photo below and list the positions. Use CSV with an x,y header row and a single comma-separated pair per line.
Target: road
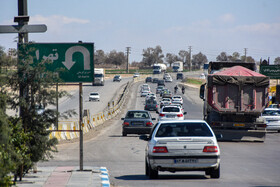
x,y
242,164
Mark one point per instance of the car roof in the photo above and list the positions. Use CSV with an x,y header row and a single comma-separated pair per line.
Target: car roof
x,y
184,121
94,93
275,109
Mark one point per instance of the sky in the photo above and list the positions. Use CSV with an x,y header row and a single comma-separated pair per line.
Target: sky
x,y
208,26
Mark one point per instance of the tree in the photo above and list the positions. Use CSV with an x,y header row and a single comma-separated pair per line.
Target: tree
x,y
247,59
222,57
35,83
198,60
277,61
152,56
99,57
185,57
116,58
170,58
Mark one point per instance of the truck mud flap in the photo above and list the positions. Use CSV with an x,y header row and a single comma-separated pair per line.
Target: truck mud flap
x,y
240,135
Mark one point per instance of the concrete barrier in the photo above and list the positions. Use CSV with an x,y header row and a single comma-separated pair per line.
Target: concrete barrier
x,y
91,121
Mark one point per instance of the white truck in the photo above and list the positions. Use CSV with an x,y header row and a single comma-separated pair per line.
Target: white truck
x,y
158,68
177,66
99,76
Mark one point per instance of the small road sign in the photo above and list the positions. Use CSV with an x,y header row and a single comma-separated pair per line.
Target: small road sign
x,y
272,71
22,29
73,61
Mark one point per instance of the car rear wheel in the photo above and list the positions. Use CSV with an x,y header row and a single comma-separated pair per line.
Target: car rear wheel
x,y
124,134
146,168
215,172
153,174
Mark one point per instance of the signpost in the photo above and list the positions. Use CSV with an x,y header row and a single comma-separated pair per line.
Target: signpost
x,y
73,60
22,29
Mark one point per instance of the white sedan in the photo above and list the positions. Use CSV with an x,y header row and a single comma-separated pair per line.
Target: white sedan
x,y
272,119
177,99
171,113
188,145
94,96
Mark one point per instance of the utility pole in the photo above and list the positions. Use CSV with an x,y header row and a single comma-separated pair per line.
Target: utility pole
x,y
127,55
245,53
190,57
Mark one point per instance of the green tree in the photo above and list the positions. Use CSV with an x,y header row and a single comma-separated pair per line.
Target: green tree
x,y
277,61
170,58
152,56
198,60
35,83
185,57
222,57
99,57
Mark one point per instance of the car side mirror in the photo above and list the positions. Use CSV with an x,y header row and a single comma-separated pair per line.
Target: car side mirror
x,y
201,92
122,118
144,137
185,113
157,112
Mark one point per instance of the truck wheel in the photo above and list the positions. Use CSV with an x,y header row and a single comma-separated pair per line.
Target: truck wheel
x,y
215,173
124,134
153,174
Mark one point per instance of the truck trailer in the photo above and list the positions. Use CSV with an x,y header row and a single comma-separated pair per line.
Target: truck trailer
x,y
158,68
178,66
234,97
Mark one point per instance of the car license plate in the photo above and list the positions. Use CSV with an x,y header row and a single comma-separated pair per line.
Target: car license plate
x,y
239,125
170,116
185,161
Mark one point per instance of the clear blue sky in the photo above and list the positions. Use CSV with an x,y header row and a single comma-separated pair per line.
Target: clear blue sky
x,y
209,26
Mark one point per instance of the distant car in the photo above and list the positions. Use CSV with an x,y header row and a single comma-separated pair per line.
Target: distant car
x,y
166,75
159,88
162,91
136,75
187,145
166,94
137,122
145,87
171,113
272,119
177,99
202,76
165,102
144,93
151,105
117,78
273,106
160,83
94,96
150,95
155,80
149,79
180,76
168,79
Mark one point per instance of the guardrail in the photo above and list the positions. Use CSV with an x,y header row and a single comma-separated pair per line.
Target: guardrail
x,y
69,129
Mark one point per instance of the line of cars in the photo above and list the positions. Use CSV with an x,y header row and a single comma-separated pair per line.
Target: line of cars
x,y
174,144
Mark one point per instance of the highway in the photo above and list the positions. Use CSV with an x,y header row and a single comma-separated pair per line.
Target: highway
x,y
242,163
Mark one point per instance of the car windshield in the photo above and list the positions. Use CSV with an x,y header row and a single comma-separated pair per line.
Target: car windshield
x,y
183,129
93,93
151,101
98,75
137,114
117,76
271,113
170,109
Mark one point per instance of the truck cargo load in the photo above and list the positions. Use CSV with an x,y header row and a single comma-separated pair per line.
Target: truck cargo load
x,y
234,98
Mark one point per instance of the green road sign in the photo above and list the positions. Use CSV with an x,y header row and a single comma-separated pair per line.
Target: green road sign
x,y
74,59
272,71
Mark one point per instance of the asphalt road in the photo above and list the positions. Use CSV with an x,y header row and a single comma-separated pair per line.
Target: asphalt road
x,y
242,164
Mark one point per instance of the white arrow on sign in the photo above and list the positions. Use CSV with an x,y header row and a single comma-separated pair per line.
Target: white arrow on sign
x,y
69,57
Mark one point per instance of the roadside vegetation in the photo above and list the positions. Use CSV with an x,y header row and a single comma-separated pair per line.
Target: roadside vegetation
x,y
24,139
